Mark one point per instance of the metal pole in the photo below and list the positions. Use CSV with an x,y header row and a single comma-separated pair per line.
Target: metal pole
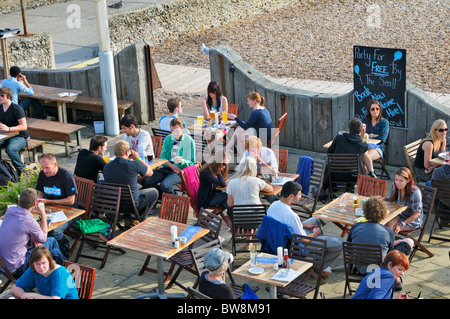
x,y
107,76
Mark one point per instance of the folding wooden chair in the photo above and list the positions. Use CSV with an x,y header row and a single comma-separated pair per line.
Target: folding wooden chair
x,y
195,294
207,220
282,158
233,108
246,221
342,169
159,132
174,208
303,207
428,197
278,128
442,207
157,145
359,255
84,196
311,250
9,276
84,278
104,205
410,151
370,186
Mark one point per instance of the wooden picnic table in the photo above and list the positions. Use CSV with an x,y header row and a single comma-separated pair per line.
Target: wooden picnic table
x,y
266,276
153,237
346,220
53,94
57,131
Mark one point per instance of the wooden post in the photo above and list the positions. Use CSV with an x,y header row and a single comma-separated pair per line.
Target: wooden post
x,y
5,58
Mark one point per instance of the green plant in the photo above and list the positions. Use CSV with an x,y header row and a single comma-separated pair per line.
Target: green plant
x,y
10,193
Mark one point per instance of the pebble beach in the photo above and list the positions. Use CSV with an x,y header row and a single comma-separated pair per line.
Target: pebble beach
x,y
314,40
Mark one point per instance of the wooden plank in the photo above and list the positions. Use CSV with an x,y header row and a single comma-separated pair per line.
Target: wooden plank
x,y
51,130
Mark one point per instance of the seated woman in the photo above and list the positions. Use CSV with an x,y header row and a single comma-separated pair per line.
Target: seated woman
x,y
377,127
404,192
212,281
245,187
429,149
212,175
265,158
392,269
50,279
215,101
259,123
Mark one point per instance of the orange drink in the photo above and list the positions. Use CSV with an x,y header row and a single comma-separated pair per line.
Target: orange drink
x,y
212,115
200,120
224,117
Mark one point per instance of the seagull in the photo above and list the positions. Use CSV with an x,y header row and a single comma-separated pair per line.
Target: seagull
x,y
205,49
116,5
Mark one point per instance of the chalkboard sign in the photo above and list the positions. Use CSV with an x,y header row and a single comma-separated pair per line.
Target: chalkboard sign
x,y
380,74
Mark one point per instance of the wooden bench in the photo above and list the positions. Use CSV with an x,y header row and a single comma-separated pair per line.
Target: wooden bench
x,y
35,147
55,131
92,104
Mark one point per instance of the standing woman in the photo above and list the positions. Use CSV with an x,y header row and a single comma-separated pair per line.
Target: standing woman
x,y
215,101
259,119
429,149
51,280
12,119
377,127
404,192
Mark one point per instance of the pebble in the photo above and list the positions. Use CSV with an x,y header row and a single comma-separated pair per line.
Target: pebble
x,y
315,41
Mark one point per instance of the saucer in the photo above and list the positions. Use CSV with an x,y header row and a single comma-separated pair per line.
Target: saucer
x,y
256,270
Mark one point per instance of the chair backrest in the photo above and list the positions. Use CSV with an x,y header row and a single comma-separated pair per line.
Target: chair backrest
x,y
198,256
311,250
233,108
278,128
442,193
84,278
248,216
370,186
105,202
201,147
410,151
317,174
159,132
84,192
339,164
157,145
9,276
428,198
282,158
174,208
195,294
357,255
126,196
210,221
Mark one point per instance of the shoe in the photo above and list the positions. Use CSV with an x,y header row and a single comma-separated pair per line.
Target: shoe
x,y
372,174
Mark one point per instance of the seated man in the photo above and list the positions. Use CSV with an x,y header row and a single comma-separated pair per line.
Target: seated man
x,y
281,210
90,162
175,107
212,282
20,227
348,143
139,139
179,149
123,171
372,232
12,119
16,86
56,185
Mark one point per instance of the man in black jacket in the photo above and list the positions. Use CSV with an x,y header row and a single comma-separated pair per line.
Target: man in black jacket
x,y
350,142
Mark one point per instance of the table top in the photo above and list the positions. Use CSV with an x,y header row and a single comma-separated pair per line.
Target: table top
x,y
153,237
7,135
50,93
208,125
276,188
371,140
331,211
439,161
157,162
269,272
70,212
43,125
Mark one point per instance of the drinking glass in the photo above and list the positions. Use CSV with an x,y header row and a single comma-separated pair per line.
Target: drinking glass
x,y
224,117
447,157
106,157
212,115
342,203
200,120
253,261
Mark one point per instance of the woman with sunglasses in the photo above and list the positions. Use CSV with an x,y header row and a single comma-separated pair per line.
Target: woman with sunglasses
x,y
429,149
405,192
377,127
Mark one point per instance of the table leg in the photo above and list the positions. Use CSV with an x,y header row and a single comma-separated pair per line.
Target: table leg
x,y
160,291
60,111
273,291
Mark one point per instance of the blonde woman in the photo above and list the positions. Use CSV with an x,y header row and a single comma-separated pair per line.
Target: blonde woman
x,y
429,149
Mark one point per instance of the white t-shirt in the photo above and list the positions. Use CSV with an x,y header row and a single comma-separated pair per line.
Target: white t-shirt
x,y
142,143
284,214
245,191
267,156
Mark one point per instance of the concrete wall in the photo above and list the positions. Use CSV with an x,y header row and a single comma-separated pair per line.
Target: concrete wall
x,y
315,118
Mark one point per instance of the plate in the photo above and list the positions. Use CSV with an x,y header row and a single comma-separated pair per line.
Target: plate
x,y
256,270
442,155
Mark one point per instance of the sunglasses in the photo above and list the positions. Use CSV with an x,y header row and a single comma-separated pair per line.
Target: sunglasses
x,y
442,130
